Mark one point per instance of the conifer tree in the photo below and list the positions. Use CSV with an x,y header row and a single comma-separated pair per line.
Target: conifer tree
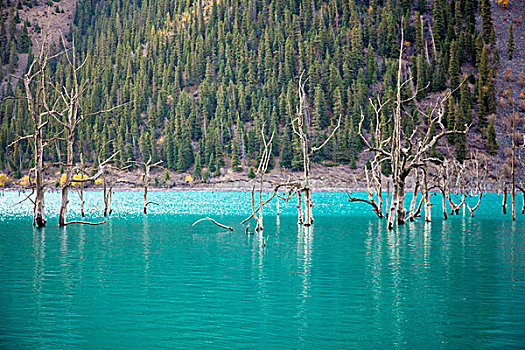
x,y
454,68
487,26
197,170
286,148
13,57
510,43
236,161
492,143
24,41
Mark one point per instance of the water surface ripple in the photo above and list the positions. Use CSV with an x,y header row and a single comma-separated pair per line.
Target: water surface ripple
x,y
155,281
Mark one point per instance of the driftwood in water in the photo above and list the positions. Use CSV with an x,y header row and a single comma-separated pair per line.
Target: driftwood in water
x,y
85,223
215,222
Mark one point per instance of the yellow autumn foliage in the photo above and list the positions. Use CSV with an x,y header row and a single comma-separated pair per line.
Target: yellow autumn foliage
x,y
4,179
503,3
25,181
188,178
75,177
98,181
78,177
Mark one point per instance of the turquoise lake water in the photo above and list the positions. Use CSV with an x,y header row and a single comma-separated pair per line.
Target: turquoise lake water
x,y
149,282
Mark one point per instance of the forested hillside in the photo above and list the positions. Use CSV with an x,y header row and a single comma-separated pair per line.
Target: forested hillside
x,y
199,79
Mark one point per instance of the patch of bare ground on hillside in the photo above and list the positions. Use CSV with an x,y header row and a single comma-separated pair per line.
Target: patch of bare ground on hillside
x,y
46,17
335,179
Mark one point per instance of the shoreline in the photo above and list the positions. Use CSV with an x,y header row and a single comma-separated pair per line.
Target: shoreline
x,y
211,189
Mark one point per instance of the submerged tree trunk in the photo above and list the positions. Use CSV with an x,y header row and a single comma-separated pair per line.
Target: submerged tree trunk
x,y
67,181
104,193
392,209
39,215
308,206
428,205
513,174
401,210
82,200
472,210
413,202
146,183
300,208
523,202
444,203
387,211
504,202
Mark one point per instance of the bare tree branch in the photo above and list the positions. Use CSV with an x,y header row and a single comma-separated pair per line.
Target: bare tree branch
x,y
215,222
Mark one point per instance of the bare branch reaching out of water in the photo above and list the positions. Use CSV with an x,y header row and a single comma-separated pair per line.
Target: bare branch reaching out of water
x,y
215,222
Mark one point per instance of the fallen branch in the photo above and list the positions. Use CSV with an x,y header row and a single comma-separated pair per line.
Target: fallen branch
x,y
28,197
85,223
375,208
215,222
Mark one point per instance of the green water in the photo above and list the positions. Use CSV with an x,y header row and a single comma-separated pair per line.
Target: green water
x,y
150,282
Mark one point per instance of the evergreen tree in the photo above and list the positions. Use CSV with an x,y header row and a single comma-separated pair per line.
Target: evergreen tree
x,y
212,164
24,41
454,68
487,26
492,143
510,43
286,148
236,161
197,170
13,57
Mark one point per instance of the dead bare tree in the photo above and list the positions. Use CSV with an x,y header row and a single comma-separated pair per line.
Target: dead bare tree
x,y
79,186
412,212
301,128
514,121
39,110
373,175
476,177
408,151
259,176
69,117
146,167
293,188
521,154
80,181
450,180
425,191
442,181
107,193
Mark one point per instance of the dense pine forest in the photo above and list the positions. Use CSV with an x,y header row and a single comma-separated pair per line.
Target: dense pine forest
x,y
197,80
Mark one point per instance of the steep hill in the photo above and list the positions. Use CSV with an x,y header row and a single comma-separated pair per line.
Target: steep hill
x,y
202,78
